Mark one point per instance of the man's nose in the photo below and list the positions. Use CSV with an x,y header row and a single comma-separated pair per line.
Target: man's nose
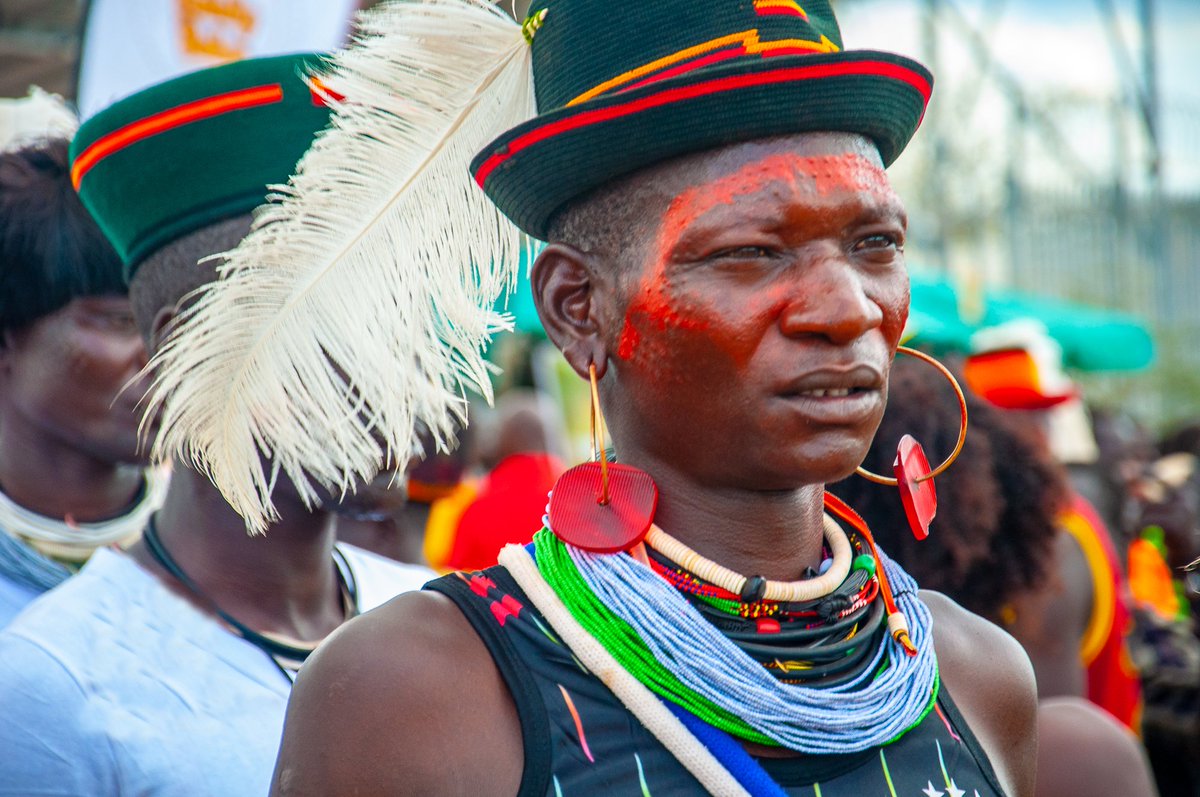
x,y
831,301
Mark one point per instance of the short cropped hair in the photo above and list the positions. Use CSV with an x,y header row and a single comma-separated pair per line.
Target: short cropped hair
x,y
172,272
51,249
604,220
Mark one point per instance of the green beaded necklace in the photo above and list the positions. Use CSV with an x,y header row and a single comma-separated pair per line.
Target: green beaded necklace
x,y
619,639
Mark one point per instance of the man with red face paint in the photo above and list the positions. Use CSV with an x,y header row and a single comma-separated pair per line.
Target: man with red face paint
x,y
742,329
725,263
71,474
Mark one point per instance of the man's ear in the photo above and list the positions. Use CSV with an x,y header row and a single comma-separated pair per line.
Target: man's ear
x,y
160,328
6,352
564,282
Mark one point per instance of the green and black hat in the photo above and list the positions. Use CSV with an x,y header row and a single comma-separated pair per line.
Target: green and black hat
x,y
194,150
383,250
623,85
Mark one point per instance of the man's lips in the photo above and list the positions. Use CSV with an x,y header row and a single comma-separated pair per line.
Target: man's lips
x,y
849,395
834,382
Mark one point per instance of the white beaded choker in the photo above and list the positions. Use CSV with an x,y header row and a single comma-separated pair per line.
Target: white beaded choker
x,y
75,541
755,588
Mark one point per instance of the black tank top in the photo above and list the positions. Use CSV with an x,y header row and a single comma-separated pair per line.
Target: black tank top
x,y
580,740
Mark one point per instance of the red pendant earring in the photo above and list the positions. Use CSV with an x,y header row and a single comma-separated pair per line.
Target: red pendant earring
x,y
914,477
602,506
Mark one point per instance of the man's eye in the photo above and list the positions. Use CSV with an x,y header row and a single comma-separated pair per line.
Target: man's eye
x,y
743,253
880,241
120,322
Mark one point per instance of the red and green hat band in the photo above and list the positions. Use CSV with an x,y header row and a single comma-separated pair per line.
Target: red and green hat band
x,y
683,93
535,169
194,150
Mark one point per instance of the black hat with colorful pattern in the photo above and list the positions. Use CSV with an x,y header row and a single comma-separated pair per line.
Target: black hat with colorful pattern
x,y
623,85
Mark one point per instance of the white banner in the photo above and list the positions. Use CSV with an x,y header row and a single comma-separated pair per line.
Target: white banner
x,y
131,44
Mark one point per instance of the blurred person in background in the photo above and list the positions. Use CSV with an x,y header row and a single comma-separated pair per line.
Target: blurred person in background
x,y
1018,368
413,519
72,478
379,518
996,548
1126,450
166,670
1166,532
522,464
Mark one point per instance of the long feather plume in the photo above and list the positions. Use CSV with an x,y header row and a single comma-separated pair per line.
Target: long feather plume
x,y
358,307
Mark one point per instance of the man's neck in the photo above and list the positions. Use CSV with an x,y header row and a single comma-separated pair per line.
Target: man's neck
x,y
777,535
46,476
284,582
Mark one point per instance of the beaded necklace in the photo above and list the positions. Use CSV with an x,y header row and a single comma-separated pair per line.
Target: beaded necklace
x,y
757,588
666,643
286,654
823,641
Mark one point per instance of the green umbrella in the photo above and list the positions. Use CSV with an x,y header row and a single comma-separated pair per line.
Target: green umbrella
x,y
1092,338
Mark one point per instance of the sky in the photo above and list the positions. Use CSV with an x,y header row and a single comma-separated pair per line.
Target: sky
x,y
1060,54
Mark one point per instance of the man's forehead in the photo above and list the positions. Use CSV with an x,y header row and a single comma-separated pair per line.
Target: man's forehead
x,y
811,163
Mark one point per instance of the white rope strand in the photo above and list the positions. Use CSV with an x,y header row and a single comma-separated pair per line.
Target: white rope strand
x,y
640,701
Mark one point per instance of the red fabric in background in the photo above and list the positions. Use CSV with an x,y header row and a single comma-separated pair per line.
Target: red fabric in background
x,y
1112,679
508,508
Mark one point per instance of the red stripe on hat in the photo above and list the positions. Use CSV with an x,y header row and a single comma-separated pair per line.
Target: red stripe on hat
x,y
322,94
808,72
780,10
170,119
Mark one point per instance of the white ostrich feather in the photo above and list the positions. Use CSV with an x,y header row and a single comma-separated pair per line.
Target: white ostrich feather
x,y
358,307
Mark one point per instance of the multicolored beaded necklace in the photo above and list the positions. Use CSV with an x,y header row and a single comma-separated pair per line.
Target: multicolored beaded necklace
x,y
820,676
818,642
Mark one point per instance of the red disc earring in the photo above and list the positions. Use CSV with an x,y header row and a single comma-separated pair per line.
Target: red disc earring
x,y
602,506
914,478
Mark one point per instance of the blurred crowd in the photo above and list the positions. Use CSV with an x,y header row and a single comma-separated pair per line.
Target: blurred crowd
x,y
1072,526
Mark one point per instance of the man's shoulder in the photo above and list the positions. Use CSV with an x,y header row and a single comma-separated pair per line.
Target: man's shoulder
x,y
14,597
961,633
378,579
67,620
411,638
971,648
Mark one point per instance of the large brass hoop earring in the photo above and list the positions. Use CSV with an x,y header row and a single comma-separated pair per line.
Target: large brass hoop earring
x,y
962,428
914,477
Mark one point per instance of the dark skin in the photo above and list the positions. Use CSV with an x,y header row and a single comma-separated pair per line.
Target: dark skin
x,y
1050,622
1083,751
1052,619
284,584
68,425
381,519
774,269
384,518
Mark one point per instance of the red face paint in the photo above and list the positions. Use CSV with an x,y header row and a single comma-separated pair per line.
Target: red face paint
x,y
653,310
747,287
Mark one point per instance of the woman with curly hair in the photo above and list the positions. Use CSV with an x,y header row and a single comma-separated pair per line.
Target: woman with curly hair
x,y
993,540
997,548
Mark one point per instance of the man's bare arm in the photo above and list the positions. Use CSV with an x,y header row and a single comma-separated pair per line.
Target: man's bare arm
x,y
403,700
992,683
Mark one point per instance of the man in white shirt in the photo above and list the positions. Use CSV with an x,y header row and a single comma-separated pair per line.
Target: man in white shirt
x,y
166,669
